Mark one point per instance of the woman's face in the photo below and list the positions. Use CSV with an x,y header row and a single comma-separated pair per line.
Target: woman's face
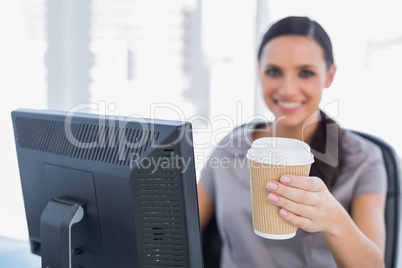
x,y
293,74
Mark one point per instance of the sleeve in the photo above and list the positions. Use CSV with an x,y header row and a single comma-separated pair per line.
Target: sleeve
x,y
207,180
373,178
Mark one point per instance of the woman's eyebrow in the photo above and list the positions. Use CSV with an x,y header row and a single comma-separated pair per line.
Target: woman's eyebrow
x,y
270,65
306,66
300,67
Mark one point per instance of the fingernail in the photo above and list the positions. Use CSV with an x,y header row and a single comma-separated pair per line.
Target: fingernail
x,y
285,179
273,197
283,212
272,186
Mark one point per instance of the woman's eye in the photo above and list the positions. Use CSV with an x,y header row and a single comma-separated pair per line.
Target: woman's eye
x,y
273,72
306,74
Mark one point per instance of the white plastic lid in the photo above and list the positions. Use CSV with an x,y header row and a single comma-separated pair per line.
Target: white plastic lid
x,y
275,236
280,151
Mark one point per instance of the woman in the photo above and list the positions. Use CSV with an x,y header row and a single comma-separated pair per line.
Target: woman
x,y
339,209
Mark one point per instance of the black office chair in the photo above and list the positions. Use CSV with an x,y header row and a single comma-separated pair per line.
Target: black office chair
x,y
393,202
212,242
211,245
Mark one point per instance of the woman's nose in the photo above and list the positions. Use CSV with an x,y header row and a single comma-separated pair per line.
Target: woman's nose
x,y
288,87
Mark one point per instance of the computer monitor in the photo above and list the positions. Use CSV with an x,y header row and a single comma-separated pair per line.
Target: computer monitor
x,y
106,191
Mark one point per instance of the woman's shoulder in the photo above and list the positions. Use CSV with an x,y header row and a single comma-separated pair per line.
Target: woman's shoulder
x,y
238,139
358,148
365,163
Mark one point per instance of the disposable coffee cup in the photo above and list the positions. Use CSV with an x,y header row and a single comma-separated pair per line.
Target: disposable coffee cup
x,y
270,158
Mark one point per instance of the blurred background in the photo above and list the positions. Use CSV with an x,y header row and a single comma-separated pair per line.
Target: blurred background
x,y
192,60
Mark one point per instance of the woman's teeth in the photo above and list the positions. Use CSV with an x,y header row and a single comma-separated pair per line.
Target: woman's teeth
x,y
289,105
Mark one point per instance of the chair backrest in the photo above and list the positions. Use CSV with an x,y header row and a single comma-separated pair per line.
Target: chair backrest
x,y
211,245
212,242
393,201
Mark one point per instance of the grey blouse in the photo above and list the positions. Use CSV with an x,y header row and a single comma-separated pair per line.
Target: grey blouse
x,y
226,180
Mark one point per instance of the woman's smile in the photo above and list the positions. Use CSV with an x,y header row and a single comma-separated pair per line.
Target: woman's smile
x,y
289,106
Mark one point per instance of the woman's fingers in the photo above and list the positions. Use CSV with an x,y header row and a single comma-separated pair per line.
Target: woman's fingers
x,y
303,210
312,184
297,194
301,222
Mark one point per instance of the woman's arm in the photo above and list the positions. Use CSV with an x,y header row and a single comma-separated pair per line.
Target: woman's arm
x,y
360,242
368,212
206,206
307,203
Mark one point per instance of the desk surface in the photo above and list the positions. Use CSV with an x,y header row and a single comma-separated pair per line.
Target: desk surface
x,y
17,254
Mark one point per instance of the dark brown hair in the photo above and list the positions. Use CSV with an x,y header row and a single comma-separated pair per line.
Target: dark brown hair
x,y
299,26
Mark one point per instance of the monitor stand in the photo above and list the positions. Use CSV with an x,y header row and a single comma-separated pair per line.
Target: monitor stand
x,y
55,230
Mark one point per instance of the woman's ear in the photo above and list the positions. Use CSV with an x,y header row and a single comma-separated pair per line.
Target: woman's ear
x,y
330,75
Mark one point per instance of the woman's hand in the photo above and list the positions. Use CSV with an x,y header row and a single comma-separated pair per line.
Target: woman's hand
x,y
305,202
